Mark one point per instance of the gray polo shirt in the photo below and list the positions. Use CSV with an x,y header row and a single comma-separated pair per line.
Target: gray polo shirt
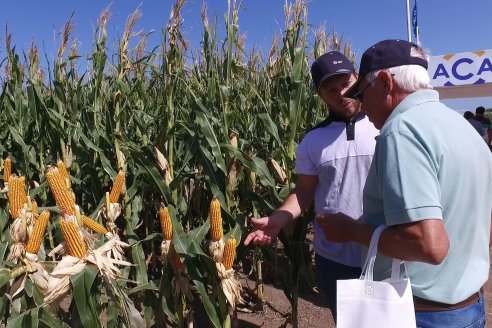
x,y
341,160
431,163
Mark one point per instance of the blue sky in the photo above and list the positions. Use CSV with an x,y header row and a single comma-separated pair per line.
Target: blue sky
x,y
445,26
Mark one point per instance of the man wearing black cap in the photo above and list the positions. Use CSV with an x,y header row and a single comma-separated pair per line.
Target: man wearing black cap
x,y
332,163
430,183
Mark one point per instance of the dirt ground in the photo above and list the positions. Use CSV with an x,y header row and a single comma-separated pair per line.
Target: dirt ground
x,y
312,312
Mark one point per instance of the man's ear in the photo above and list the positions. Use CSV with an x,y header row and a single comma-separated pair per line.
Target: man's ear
x,y
386,78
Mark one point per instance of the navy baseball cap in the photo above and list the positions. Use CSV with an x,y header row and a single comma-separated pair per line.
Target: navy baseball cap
x,y
330,64
386,54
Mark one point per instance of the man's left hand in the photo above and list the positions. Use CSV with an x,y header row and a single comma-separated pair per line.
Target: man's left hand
x,y
336,227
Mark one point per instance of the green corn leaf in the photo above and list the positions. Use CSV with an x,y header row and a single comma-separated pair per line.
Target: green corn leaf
x,y
83,295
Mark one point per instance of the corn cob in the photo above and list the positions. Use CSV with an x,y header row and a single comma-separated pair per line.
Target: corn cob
x,y
63,195
115,194
62,170
38,233
216,232
17,195
34,207
93,225
229,253
73,240
7,169
166,224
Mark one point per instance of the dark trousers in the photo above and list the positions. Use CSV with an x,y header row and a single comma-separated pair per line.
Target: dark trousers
x,y
327,274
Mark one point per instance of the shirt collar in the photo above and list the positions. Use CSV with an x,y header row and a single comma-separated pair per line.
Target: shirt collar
x,y
414,99
333,117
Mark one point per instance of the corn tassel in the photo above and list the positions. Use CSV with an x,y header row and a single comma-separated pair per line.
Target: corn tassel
x,y
37,234
73,240
93,225
7,170
62,170
229,253
63,195
166,224
17,195
117,189
216,232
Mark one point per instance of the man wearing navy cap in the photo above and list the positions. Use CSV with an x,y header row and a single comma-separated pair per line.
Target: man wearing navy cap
x,y
332,163
430,183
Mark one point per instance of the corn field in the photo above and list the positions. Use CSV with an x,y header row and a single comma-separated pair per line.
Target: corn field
x,y
128,184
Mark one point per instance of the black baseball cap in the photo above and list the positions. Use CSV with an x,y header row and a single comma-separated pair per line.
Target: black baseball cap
x,y
386,54
330,64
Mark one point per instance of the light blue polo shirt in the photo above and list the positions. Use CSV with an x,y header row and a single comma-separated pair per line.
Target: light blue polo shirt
x,y
430,163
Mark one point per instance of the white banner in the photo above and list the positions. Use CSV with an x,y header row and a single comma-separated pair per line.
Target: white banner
x,y
467,68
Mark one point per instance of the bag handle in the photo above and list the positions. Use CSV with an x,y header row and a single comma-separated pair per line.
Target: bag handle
x,y
368,267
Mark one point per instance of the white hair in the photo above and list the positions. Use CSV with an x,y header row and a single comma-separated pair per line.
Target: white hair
x,y
409,78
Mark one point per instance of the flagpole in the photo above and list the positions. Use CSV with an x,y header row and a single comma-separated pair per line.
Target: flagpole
x,y
417,27
408,21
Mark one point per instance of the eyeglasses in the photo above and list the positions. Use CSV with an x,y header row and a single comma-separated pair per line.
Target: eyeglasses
x,y
359,95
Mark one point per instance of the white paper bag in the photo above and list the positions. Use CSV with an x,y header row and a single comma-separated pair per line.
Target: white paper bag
x,y
367,303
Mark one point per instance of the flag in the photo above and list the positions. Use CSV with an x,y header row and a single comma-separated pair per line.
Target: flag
x,y
414,20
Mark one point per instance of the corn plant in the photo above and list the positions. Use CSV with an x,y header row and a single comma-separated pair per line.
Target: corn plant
x,y
126,157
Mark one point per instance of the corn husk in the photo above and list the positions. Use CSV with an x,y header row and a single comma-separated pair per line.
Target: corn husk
x,y
59,280
58,285
19,236
163,165
230,285
37,271
113,211
216,249
60,249
279,171
165,247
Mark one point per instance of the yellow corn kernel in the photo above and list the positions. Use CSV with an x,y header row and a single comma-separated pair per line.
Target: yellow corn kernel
x,y
216,232
93,225
166,223
73,240
36,237
7,169
63,195
17,195
62,170
115,194
229,253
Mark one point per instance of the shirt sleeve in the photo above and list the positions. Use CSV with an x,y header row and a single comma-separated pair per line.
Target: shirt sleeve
x,y
408,177
304,163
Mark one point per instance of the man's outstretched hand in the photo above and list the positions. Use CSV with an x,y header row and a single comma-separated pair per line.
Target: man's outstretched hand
x,y
266,230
